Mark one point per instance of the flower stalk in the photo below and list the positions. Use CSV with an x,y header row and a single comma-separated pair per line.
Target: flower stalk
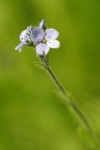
x,y
66,97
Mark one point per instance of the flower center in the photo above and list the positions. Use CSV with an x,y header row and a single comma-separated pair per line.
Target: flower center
x,y
44,40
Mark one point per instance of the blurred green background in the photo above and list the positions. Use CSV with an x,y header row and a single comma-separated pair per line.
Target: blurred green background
x,y
32,115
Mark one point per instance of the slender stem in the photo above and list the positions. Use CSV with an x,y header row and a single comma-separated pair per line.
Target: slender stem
x,y
66,96
58,84
70,102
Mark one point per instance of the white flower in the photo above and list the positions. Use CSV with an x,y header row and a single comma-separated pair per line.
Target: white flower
x,y
44,40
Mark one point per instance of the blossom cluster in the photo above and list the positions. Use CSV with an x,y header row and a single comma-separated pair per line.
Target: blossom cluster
x,y
41,37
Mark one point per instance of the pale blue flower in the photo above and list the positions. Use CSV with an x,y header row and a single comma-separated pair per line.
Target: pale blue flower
x,y
25,38
44,40
41,38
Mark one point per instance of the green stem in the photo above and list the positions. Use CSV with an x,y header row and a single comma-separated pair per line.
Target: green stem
x,y
66,96
69,101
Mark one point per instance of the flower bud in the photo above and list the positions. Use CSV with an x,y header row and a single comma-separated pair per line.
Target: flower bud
x,y
43,25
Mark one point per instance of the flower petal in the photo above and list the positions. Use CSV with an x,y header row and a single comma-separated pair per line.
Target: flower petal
x,y
53,44
20,46
51,34
42,49
37,35
24,36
